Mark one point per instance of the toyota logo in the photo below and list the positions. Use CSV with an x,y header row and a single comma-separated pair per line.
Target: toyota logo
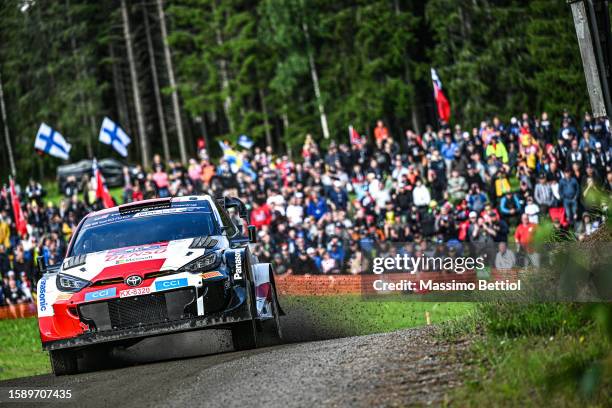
x,y
133,280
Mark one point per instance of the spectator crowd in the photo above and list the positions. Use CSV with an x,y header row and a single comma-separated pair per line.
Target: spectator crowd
x,y
319,213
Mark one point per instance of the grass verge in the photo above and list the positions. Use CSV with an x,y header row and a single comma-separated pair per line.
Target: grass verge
x,y
536,355
20,351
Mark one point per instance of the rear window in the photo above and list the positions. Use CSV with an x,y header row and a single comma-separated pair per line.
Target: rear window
x,y
108,231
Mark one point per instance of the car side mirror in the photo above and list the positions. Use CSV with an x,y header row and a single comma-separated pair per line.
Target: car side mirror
x,y
252,230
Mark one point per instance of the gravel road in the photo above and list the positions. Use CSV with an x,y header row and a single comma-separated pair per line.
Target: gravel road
x,y
403,368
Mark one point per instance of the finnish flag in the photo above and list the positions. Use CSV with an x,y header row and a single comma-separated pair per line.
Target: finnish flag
x,y
112,134
52,142
245,141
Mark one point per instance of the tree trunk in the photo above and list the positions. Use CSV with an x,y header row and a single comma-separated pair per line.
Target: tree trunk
x,y
175,100
408,80
122,106
158,98
315,82
227,103
264,107
7,136
144,142
285,117
85,104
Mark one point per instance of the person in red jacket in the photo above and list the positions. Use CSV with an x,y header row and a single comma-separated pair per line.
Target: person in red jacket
x,y
524,238
381,132
261,214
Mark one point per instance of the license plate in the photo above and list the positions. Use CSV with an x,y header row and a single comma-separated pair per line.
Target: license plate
x,y
134,292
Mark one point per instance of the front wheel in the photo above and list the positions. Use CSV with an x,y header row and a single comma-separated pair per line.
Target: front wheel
x,y
244,335
63,362
276,314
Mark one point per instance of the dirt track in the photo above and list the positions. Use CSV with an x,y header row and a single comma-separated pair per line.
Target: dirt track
x,y
404,368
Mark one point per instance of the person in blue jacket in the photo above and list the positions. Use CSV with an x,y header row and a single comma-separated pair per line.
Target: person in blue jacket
x,y
510,206
568,192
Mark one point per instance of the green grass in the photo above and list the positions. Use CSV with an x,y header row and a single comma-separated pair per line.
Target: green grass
x,y
552,354
351,315
20,349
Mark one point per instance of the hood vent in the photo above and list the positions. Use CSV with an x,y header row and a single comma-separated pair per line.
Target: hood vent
x,y
74,261
203,242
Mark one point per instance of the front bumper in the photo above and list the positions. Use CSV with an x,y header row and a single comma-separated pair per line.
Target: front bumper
x,y
237,310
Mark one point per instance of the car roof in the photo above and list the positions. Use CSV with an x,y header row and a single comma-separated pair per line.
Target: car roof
x,y
152,203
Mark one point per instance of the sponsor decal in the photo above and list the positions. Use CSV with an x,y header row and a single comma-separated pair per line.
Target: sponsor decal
x,y
237,266
122,261
42,296
170,284
134,292
161,212
64,296
210,275
101,294
137,253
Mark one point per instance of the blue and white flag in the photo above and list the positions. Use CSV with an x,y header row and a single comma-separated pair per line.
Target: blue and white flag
x,y
112,134
245,141
52,142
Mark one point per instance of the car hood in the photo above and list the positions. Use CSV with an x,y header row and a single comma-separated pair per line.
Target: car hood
x,y
133,260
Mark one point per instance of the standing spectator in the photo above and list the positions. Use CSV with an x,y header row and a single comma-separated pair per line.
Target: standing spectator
x,y
261,215
448,153
160,178
523,236
510,206
5,230
457,187
532,210
568,192
543,194
381,133
420,195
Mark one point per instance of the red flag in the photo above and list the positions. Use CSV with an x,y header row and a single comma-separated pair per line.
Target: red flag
x,y
20,222
354,137
101,190
442,103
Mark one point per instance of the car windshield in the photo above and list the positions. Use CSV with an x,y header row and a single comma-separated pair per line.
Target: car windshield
x,y
113,230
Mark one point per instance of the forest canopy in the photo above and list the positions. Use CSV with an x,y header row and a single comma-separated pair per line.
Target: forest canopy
x,y
180,70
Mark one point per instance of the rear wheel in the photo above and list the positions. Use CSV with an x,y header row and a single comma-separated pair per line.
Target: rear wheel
x,y
244,335
63,362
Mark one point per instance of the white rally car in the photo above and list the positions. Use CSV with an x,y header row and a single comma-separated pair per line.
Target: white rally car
x,y
155,267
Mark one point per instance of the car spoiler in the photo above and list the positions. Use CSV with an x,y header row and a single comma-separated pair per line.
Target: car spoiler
x,y
136,206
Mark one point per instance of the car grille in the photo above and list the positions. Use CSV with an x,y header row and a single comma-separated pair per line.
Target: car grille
x,y
137,311
129,312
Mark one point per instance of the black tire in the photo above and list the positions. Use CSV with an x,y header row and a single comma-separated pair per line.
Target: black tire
x,y
244,335
63,362
276,314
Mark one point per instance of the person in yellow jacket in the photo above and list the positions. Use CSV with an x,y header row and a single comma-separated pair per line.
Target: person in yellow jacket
x,y
498,149
5,231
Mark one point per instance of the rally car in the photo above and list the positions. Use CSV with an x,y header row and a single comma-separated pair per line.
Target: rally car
x,y
155,267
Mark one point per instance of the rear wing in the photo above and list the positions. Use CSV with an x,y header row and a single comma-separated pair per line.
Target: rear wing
x,y
137,206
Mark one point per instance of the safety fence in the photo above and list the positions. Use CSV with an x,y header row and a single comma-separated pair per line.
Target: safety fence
x,y
18,311
364,284
322,285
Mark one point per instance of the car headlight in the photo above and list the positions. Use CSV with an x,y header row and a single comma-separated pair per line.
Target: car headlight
x,y
201,264
69,283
